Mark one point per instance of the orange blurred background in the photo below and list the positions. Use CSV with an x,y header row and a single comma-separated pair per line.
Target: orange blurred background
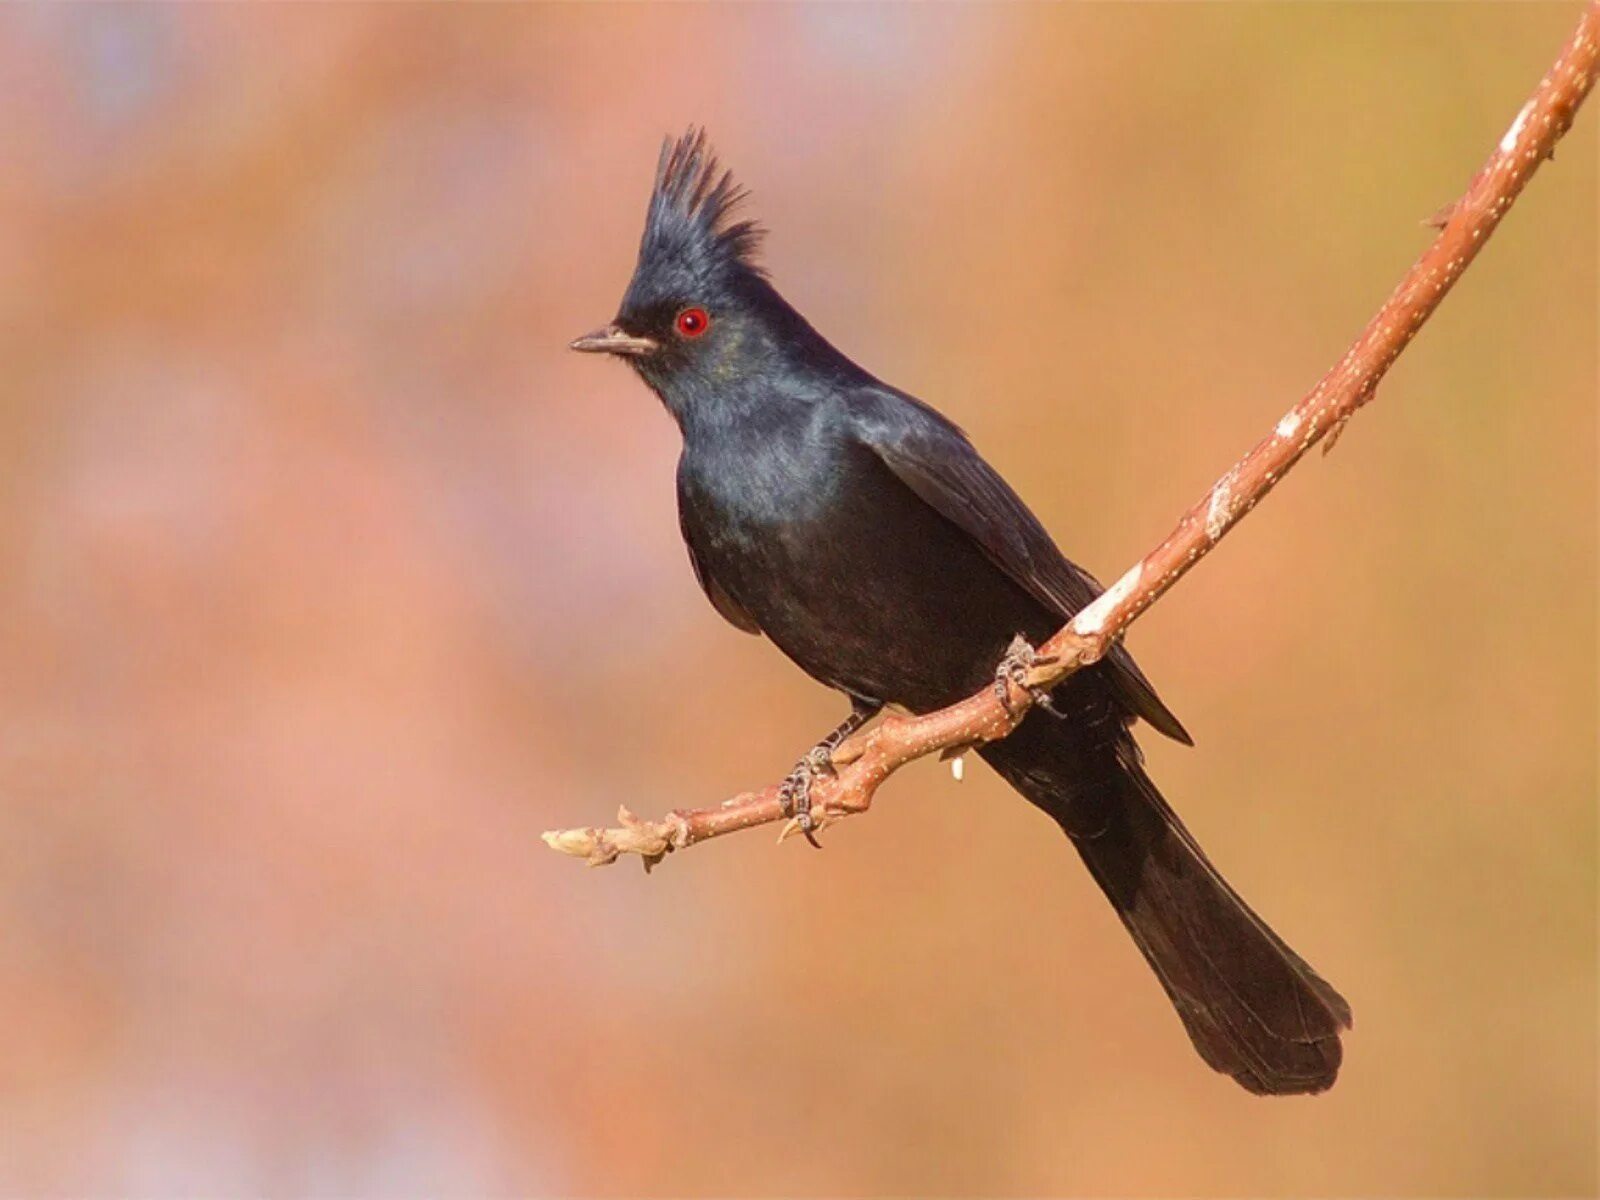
x,y
331,579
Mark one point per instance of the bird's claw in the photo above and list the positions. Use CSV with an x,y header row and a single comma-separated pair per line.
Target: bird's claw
x,y
1014,669
817,763
795,793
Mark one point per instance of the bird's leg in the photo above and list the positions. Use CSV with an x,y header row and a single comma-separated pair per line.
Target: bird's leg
x,y
795,791
1020,658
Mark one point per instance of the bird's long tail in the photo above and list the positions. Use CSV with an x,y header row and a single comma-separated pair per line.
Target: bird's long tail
x,y
1253,1007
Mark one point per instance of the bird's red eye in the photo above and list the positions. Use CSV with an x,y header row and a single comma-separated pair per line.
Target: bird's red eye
x,y
692,322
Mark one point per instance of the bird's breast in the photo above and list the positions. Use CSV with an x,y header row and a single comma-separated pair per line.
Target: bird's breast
x,y
848,572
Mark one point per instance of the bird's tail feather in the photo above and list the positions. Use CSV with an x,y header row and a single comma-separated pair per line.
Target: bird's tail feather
x,y
1253,1007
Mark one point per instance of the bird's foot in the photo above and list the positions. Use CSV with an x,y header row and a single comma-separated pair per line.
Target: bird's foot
x,y
795,791
1015,669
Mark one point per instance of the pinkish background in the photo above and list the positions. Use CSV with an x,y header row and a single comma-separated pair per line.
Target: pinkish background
x,y
328,580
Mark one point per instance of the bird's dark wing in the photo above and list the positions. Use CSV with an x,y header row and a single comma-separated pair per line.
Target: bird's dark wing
x,y
934,459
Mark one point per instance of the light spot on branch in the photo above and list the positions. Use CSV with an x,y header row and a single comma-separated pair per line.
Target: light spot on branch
x,y
1509,142
1092,619
1220,508
1288,425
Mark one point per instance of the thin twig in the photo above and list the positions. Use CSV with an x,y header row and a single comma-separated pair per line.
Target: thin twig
x,y
871,756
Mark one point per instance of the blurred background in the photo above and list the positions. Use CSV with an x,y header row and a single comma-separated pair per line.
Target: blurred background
x,y
330,579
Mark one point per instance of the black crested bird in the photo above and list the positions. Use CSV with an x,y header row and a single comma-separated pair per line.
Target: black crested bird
x,y
859,530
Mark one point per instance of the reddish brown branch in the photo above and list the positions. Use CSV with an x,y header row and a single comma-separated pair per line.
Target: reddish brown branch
x,y
871,756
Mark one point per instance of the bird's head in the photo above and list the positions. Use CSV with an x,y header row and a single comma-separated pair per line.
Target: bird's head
x,y
699,312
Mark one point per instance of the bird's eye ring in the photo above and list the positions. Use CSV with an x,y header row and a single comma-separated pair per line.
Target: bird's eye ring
x,y
692,322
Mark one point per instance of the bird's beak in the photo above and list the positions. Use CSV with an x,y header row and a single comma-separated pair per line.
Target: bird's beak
x,y
613,340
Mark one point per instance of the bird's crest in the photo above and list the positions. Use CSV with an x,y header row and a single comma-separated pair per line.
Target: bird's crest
x,y
691,207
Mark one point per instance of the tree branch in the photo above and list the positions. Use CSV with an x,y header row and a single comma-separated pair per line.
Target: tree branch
x,y
871,756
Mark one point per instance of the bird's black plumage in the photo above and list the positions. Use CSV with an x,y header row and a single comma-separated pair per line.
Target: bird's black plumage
x,y
860,530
